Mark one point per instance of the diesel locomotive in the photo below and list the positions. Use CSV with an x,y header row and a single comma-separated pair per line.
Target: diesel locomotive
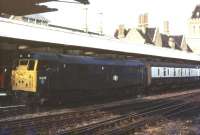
x,y
50,77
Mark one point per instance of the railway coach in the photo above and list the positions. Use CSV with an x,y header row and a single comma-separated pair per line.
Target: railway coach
x,y
174,75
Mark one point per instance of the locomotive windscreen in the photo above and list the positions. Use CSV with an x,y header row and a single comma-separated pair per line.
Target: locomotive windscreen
x,y
23,62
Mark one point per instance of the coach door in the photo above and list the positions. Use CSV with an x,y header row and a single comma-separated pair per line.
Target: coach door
x,y
148,67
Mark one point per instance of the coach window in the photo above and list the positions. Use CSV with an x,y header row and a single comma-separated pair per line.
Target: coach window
x,y
189,72
164,71
174,72
158,72
181,70
168,71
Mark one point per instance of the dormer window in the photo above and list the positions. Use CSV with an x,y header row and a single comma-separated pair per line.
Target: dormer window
x,y
171,42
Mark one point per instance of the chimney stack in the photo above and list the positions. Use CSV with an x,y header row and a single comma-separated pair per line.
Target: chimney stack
x,y
139,20
121,31
166,27
143,22
146,19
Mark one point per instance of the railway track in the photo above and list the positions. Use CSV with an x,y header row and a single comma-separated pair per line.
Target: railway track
x,y
43,122
79,120
14,110
129,122
146,119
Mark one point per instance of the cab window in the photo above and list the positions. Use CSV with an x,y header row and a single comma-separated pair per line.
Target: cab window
x,y
31,65
23,62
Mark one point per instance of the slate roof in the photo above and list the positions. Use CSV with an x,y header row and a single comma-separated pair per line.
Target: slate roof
x,y
148,36
177,40
189,49
150,32
194,13
165,39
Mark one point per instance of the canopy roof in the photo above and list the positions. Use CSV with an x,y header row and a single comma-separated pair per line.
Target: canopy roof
x,y
13,31
25,7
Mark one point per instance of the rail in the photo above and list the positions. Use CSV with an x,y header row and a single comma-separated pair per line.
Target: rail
x,y
132,119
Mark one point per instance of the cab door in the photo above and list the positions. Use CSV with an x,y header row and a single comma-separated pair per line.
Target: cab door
x,y
32,75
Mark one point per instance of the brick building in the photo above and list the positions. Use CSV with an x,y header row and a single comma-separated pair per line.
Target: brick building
x,y
193,36
151,35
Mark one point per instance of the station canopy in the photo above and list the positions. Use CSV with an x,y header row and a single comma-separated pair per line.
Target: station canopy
x,y
26,7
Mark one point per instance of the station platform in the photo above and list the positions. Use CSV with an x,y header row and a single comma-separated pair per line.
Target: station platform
x,y
44,35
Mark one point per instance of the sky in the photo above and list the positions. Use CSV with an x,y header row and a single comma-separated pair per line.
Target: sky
x,y
109,14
